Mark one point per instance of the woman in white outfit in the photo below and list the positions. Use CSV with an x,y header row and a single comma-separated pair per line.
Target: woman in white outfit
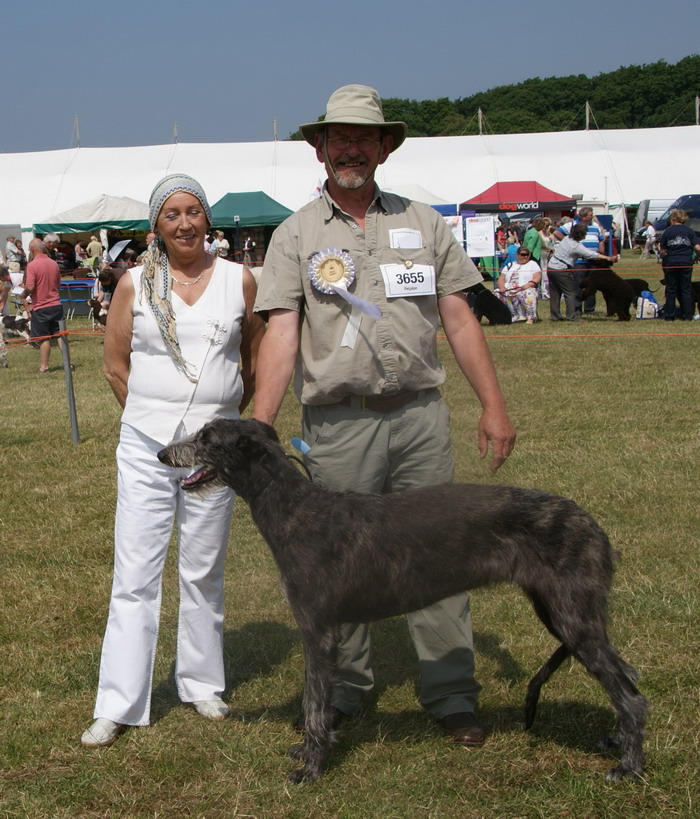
x,y
180,349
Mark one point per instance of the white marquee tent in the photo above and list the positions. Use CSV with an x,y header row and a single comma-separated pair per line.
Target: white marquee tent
x,y
616,166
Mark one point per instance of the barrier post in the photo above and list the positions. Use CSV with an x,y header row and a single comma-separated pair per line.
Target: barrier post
x,y
68,375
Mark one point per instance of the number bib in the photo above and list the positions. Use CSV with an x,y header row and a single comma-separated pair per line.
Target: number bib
x,y
401,280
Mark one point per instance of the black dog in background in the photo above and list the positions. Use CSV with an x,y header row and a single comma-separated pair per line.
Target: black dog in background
x,y
619,293
694,292
484,303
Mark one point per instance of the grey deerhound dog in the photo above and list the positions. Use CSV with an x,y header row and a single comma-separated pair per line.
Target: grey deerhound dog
x,y
346,557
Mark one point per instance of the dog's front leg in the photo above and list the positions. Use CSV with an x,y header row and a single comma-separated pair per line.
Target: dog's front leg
x,y
319,665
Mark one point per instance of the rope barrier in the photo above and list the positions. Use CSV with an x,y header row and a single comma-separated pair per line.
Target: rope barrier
x,y
18,341
527,336
597,335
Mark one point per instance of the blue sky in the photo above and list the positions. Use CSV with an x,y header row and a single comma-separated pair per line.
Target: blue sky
x,y
223,71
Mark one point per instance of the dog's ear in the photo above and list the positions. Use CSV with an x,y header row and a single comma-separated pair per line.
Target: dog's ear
x,y
260,430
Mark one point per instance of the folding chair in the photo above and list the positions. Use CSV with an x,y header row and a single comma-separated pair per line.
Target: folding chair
x,y
80,295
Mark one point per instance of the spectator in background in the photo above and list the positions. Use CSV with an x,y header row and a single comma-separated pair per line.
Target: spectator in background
x,y
80,253
593,240
517,286
51,242
42,281
616,239
649,240
13,260
94,249
22,256
65,257
249,254
107,281
5,288
532,239
561,270
220,245
676,248
546,252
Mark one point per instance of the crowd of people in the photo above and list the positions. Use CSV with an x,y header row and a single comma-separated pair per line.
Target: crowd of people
x,y
19,285
547,261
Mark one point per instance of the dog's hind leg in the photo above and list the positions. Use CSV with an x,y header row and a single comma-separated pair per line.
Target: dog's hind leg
x,y
536,683
579,621
552,664
319,665
618,679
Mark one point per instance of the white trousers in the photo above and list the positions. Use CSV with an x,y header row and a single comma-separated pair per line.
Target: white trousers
x,y
149,500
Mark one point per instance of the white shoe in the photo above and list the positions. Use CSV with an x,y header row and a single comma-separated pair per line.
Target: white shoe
x,y
101,733
212,709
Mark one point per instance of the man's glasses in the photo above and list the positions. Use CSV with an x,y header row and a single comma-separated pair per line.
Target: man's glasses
x,y
363,143
523,254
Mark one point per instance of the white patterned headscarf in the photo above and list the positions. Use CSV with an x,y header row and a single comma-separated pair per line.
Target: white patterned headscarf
x,y
156,279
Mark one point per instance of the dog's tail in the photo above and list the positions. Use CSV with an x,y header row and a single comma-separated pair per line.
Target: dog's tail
x,y
536,683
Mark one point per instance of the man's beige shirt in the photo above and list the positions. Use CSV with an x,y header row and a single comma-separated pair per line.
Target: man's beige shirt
x,y
399,350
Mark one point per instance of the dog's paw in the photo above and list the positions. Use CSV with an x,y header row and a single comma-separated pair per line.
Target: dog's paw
x,y
304,776
621,772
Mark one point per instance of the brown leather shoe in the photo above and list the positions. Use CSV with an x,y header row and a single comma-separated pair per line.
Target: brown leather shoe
x,y
337,716
464,728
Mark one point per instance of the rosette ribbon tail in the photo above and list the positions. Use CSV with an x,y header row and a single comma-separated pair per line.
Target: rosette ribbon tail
x,y
366,307
359,306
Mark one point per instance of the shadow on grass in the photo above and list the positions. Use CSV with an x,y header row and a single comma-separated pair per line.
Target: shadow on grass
x,y
252,651
572,725
258,648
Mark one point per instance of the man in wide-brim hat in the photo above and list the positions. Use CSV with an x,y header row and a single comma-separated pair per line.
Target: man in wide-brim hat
x,y
354,286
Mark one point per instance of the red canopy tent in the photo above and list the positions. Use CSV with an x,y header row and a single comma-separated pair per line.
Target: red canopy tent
x,y
518,196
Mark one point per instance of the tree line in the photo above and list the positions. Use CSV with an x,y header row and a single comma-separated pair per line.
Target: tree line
x,y
636,96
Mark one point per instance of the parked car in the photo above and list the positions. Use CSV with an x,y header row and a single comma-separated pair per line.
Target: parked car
x,y
690,203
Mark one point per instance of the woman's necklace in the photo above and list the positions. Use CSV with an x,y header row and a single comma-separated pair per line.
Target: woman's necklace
x,y
189,284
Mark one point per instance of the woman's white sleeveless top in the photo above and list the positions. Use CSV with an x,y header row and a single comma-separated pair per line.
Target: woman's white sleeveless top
x,y
161,399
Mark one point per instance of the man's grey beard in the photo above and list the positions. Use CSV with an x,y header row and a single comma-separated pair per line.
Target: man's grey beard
x,y
353,178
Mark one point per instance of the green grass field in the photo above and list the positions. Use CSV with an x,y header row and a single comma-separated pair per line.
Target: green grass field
x,y
607,414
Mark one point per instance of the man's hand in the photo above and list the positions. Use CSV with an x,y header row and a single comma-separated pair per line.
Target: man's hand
x,y
496,428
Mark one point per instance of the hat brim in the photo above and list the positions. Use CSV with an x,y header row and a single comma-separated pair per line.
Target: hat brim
x,y
398,130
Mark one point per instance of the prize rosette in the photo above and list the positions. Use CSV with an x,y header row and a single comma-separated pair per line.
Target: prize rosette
x,y
331,270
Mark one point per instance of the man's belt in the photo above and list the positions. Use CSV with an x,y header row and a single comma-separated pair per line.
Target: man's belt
x,y
384,403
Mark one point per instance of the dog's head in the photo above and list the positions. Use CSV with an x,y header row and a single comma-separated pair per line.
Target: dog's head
x,y
226,453
99,314
17,326
604,264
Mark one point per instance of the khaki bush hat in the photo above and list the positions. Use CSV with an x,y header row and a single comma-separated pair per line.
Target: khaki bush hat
x,y
355,105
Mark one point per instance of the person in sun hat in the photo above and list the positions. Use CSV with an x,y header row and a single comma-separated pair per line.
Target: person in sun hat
x,y
180,349
354,286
